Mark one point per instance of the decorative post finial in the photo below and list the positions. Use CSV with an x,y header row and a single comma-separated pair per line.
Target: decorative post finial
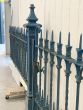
x,y
32,17
32,30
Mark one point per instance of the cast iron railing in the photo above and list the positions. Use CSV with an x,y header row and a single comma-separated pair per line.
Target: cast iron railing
x,y
30,55
19,49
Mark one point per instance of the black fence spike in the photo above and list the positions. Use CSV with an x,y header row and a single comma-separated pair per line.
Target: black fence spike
x,y
80,43
41,34
42,93
47,99
46,34
52,36
60,37
69,39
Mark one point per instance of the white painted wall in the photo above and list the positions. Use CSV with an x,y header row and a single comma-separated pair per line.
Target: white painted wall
x,y
7,24
15,12
16,74
58,15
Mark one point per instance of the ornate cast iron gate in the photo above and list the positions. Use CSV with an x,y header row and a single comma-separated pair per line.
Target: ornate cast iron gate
x,y
29,54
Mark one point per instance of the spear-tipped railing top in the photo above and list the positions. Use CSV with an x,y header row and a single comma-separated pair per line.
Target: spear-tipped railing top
x,y
60,38
69,39
80,43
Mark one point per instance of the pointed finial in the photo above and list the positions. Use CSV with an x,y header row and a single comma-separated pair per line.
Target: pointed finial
x,y
42,94
80,43
60,38
24,31
69,39
41,33
47,99
46,34
52,36
32,17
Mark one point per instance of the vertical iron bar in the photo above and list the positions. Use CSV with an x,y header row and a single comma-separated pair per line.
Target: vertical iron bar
x,y
51,78
77,96
45,61
79,72
67,71
40,61
32,29
45,76
51,67
58,88
25,61
66,96
59,52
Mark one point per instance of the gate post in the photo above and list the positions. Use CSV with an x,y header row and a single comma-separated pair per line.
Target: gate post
x,y
32,30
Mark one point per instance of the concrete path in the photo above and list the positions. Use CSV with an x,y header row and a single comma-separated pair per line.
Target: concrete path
x,y
7,81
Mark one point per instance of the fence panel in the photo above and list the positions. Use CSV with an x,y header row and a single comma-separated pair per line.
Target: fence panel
x,y
29,52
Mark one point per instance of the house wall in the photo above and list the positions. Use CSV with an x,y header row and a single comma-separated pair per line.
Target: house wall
x,y
7,24
57,15
15,12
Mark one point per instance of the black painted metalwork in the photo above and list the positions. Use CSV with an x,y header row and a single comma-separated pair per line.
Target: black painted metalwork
x,y
59,52
51,67
45,61
29,53
40,61
67,71
79,72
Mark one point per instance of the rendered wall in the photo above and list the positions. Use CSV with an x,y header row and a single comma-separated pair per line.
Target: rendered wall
x,y
7,24
15,12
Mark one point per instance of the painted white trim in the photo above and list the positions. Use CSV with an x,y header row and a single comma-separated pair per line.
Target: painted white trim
x,y
16,74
